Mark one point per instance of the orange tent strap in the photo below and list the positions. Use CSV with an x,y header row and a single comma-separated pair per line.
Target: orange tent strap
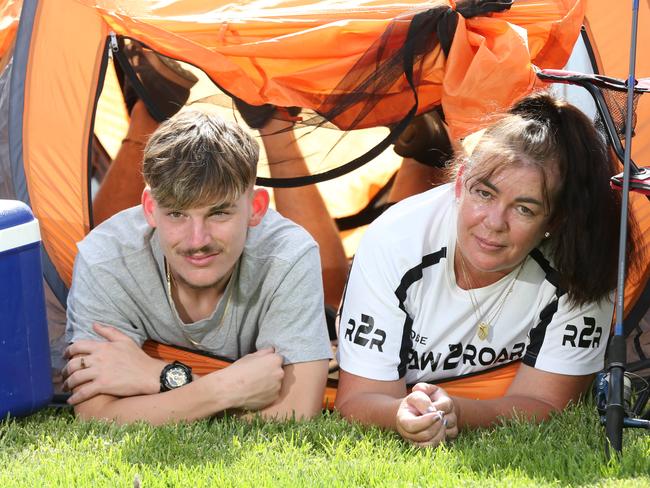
x,y
483,386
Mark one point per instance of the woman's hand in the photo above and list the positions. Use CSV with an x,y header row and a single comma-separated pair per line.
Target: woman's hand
x,y
427,416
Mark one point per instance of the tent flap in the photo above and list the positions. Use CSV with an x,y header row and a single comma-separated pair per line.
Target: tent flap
x,y
295,53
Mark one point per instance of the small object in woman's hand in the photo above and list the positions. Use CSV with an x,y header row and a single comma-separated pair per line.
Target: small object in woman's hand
x,y
441,415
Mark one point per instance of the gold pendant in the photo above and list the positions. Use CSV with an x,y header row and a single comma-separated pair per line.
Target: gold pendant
x,y
483,331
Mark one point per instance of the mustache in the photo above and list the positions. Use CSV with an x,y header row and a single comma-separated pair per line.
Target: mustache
x,y
205,250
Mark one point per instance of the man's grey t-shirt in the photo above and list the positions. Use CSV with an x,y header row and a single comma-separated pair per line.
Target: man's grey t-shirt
x,y
273,299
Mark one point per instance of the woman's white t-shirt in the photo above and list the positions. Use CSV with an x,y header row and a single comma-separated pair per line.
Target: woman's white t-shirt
x,y
404,316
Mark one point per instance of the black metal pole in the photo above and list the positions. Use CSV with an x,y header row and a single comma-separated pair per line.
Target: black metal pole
x,y
617,353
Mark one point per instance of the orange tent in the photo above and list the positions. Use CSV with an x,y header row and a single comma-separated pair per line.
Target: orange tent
x,y
609,34
256,53
54,55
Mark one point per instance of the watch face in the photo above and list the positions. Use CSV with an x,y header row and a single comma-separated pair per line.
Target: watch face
x,y
176,377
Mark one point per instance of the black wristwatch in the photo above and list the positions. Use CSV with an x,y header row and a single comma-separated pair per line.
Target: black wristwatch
x,y
175,375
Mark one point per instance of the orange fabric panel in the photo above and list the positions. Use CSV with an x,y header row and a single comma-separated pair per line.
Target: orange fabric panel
x,y
295,52
609,28
552,28
490,64
60,88
491,384
634,284
484,49
9,15
610,24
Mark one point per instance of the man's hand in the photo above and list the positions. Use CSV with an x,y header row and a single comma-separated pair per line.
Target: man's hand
x,y
426,416
256,379
118,367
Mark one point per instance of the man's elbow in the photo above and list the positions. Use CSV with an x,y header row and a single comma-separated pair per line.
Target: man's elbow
x,y
313,406
303,392
297,413
309,411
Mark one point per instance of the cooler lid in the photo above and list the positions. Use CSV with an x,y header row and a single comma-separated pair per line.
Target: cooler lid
x,y
13,213
18,227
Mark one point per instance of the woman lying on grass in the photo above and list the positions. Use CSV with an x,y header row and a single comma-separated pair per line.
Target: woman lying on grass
x,y
507,272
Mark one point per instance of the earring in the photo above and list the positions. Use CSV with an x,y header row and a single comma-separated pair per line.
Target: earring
x,y
547,235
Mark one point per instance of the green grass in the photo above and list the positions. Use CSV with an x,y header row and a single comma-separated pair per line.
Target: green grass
x,y
51,448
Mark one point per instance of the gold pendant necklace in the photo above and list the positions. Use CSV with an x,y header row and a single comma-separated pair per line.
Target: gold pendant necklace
x,y
483,331
485,321
170,281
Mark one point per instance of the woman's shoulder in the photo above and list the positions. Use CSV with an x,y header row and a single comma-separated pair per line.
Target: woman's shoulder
x,y
416,211
409,226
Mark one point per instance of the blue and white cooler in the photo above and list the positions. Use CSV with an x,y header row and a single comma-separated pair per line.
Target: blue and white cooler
x,y
25,377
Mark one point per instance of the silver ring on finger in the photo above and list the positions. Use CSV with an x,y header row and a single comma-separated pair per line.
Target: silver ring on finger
x,y
83,363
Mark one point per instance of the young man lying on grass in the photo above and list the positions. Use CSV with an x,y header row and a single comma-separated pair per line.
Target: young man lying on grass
x,y
202,264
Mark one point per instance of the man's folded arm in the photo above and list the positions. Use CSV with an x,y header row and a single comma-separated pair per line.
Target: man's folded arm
x,y
301,395
199,399
250,383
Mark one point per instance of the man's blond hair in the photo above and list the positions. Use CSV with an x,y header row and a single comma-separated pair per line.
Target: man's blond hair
x,y
196,158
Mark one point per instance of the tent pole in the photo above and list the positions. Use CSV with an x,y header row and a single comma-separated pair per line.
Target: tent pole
x,y
615,411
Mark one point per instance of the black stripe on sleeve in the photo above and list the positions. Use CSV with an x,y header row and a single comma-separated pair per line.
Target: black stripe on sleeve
x,y
552,275
345,289
538,332
411,276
